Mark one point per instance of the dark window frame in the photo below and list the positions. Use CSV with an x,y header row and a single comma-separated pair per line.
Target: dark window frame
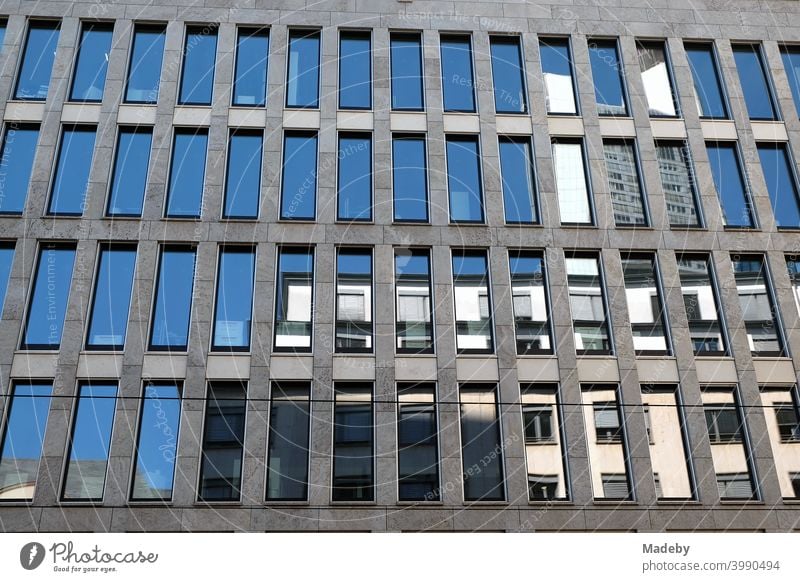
x,y
676,98
688,161
301,32
599,42
664,313
249,132
711,271
535,186
461,37
567,41
720,79
483,252
238,249
365,250
133,129
464,138
355,134
587,178
193,29
637,164
164,248
310,250
360,33
541,255
598,257
304,133
103,247
43,23
249,32
424,138
103,25
431,302
415,35
142,27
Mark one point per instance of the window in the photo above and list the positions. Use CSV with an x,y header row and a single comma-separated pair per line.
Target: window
x,y
572,184
657,78
90,442
608,428
559,82
473,306
481,448
678,183
542,487
645,307
47,306
354,186
187,173
157,445
27,408
729,180
545,453
353,443
702,306
605,433
243,178
793,266
627,194
758,306
354,300
33,78
734,486
615,486
538,424
508,74
113,288
129,179
299,176
754,82
3,25
294,300
723,424
708,92
250,74
607,73
458,82
73,164
776,165
91,66
234,306
414,323
144,69
6,260
289,432
16,165
409,178
788,423
172,312
464,178
783,429
223,442
406,71
529,296
355,70
791,62
519,190
302,75
587,303
199,57
417,443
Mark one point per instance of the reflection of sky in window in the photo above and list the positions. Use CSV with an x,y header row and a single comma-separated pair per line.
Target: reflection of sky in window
x,y
158,441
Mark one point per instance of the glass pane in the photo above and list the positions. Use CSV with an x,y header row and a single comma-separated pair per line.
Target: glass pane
x,y
791,62
516,168
131,164
354,301
36,66
413,301
707,87
223,442
299,187
48,303
783,429
481,450
173,304
3,25
409,178
458,84
16,165
6,261
557,71
700,300
758,310
199,57
473,308
71,180
793,266
729,182
753,80
353,443
464,179
627,197
571,184
287,457
234,299
678,184
645,309
302,84
243,180
406,65
187,173
26,421
587,302
608,455
417,443
529,295
90,442
144,74
355,70
89,78
294,298
355,177
656,79
609,91
508,75
252,59
157,447
776,165
545,450
108,321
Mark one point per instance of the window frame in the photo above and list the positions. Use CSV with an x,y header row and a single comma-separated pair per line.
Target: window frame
x,y
789,156
405,34
637,164
44,23
720,79
484,252
365,250
434,387
598,257
758,50
373,444
134,129
711,271
676,96
411,136
249,132
587,178
195,28
355,134
355,33
432,303
193,131
535,187
146,27
56,166
747,187
311,250
250,31
598,41
504,38
567,41
688,160
103,25
303,32
659,286
5,126
541,254
471,138
305,133
162,249
458,36
238,248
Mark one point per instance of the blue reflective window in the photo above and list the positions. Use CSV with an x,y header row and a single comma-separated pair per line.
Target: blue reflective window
x,y
16,165
355,70
355,177
36,66
157,445
609,84
172,312
409,178
187,173
90,442
730,183
516,170
21,445
74,162
91,66
3,25
406,71
252,60
776,164
299,186
131,164
558,78
223,442
294,300
48,303
234,306
753,79
302,75
199,57
508,75
108,320
708,91
458,82
473,305
6,260
464,179
791,62
243,179
354,300
144,69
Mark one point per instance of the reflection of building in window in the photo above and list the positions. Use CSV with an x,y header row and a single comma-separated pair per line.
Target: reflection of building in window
x,y
782,416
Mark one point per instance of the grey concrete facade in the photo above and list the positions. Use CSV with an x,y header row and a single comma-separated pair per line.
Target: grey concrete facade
x,y
769,22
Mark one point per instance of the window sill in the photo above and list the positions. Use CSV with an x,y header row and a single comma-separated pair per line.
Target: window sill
x,y
213,504
428,355
422,503
284,220
182,218
544,356
655,356
502,503
130,217
354,503
549,502
286,503
477,355
688,227
633,227
615,502
396,222
681,502
727,228
471,223
741,502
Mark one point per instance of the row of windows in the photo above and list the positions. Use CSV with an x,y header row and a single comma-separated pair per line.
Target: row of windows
x,y
407,66
417,432
414,305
